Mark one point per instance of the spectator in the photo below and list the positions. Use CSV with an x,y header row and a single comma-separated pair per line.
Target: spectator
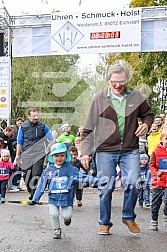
x,y
77,144
159,121
111,130
154,138
19,122
163,117
17,171
31,144
6,136
2,145
66,136
77,163
54,134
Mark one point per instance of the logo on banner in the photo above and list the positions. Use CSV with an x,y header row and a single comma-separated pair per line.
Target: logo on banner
x,y
68,36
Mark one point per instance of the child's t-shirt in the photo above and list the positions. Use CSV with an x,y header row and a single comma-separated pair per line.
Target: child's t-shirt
x,y
66,139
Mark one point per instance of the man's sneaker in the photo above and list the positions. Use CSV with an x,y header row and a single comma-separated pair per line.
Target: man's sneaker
x,y
147,204
79,203
57,233
153,225
103,230
67,222
132,226
165,221
2,200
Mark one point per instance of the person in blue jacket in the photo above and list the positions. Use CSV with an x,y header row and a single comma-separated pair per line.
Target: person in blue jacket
x,y
144,181
60,179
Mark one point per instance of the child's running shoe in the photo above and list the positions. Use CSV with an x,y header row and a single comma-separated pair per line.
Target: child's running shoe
x,y
153,225
67,222
79,203
147,204
57,233
2,200
165,221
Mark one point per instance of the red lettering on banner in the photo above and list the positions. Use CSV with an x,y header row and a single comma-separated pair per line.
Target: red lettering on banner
x,y
105,35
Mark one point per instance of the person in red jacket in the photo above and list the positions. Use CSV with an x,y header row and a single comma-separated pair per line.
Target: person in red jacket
x,y
158,169
5,167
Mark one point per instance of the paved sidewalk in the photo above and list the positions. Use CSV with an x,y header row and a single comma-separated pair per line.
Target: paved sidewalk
x,y
27,228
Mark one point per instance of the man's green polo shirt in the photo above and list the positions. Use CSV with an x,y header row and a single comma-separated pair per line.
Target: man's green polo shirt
x,y
119,103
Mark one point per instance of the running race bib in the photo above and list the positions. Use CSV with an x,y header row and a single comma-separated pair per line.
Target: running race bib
x,y
4,172
162,164
59,185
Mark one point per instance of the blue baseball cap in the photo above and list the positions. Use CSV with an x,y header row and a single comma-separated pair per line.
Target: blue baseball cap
x,y
59,148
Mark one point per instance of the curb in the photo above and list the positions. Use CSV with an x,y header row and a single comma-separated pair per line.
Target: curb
x,y
24,202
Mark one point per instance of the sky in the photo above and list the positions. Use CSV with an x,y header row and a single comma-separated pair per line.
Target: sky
x,y
18,7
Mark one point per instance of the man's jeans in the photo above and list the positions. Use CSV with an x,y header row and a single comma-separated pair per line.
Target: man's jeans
x,y
129,163
158,195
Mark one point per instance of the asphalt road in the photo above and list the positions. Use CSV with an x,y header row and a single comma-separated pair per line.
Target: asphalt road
x,y
27,228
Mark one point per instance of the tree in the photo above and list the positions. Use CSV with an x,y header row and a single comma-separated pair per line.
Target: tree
x,y
143,3
146,68
33,78
55,86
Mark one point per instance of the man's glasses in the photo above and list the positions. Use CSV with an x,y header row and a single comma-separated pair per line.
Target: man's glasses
x,y
123,82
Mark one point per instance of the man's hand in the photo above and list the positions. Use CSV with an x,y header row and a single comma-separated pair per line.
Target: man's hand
x,y
16,160
85,160
141,130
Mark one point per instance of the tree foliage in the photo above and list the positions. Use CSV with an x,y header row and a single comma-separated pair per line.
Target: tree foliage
x,y
55,86
33,79
143,3
146,68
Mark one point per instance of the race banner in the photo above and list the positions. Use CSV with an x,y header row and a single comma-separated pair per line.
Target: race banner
x,y
96,31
